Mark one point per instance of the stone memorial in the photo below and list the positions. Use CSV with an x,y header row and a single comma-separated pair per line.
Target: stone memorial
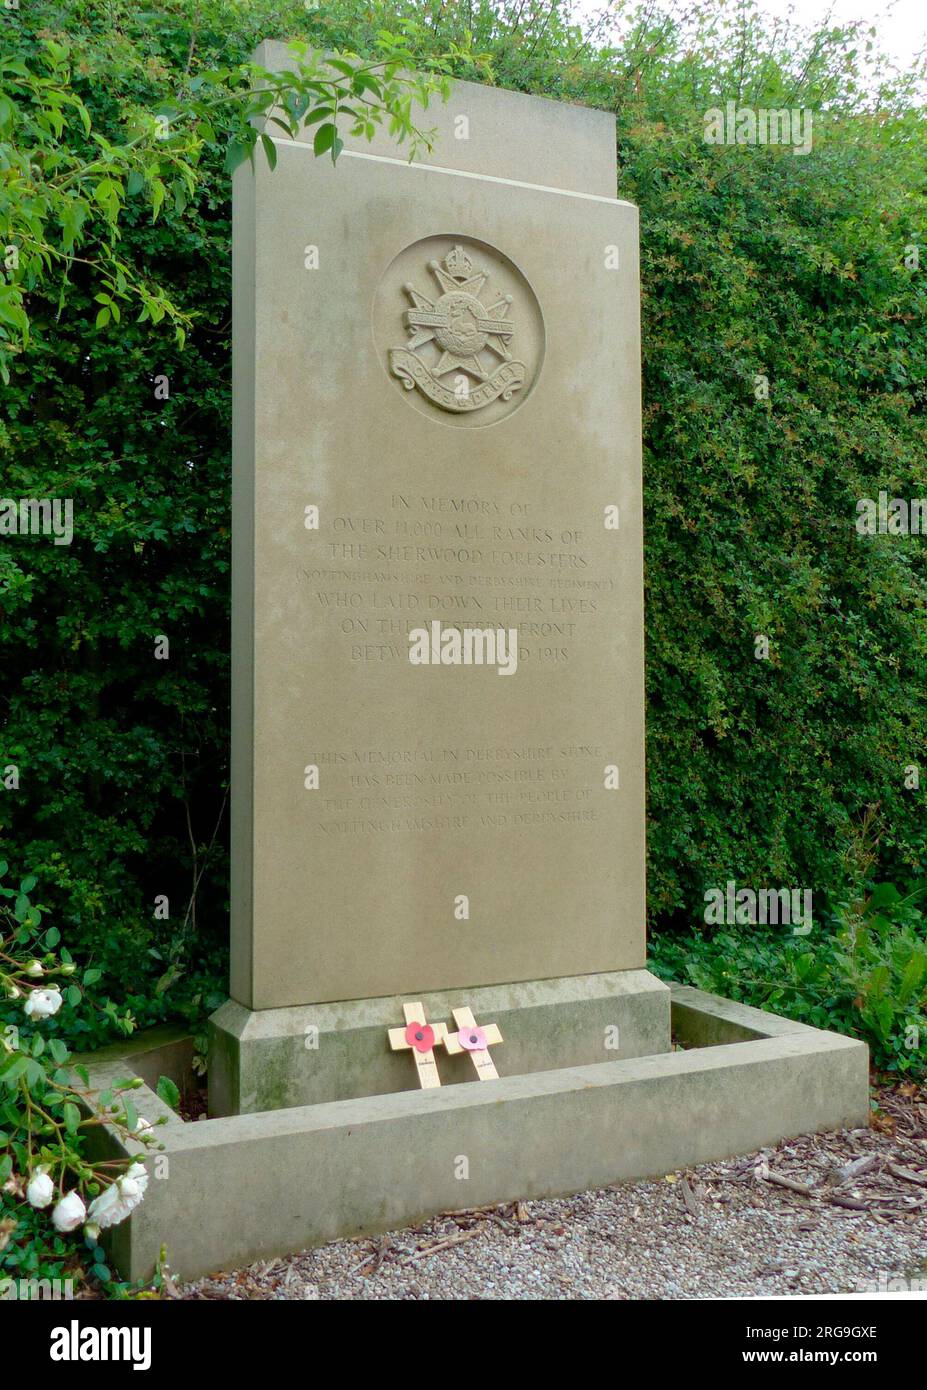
x,y
439,994
438,736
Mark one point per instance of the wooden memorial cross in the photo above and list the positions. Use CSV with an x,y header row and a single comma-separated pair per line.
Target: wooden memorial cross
x,y
421,1037
475,1040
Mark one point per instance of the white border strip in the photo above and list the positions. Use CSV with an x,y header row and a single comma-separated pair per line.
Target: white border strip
x,y
460,173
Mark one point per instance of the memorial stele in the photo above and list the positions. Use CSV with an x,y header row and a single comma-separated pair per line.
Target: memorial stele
x,y
438,698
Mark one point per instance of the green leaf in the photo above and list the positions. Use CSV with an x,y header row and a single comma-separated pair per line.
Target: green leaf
x,y
915,973
13,1068
168,1092
71,1117
158,192
10,311
324,137
366,82
73,215
35,1073
270,150
236,153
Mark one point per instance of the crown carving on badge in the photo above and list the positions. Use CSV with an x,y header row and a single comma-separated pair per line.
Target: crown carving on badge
x,y
456,272
458,264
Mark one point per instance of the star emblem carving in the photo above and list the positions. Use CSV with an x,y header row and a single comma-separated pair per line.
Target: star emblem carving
x,y
457,320
459,349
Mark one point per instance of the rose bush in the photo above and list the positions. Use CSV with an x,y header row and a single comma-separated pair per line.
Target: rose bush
x,y
47,1106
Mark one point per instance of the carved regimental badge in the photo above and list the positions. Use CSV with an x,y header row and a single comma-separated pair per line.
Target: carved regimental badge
x,y
468,337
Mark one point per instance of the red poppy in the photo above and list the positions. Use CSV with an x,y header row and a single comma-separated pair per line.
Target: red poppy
x,y
421,1036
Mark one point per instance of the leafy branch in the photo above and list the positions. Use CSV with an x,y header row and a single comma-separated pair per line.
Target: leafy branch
x,y
66,188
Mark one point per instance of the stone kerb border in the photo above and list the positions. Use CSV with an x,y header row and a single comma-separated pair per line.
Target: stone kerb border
x,y
248,1187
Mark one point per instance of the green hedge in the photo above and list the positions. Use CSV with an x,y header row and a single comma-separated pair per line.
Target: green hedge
x,y
756,261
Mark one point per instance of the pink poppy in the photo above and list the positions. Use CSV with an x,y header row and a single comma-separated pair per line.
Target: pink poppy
x,y
421,1036
472,1038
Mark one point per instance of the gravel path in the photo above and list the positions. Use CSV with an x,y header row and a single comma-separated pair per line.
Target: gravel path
x,y
832,1213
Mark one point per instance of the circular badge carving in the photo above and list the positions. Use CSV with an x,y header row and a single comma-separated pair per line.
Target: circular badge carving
x,y
459,330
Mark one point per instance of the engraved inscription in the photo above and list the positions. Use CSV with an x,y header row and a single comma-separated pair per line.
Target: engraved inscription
x,y
413,372
463,563
398,790
417,561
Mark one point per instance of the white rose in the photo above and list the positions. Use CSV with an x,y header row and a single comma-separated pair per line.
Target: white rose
x,y
41,1190
69,1213
103,1209
143,1126
34,969
116,1202
138,1173
43,1003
